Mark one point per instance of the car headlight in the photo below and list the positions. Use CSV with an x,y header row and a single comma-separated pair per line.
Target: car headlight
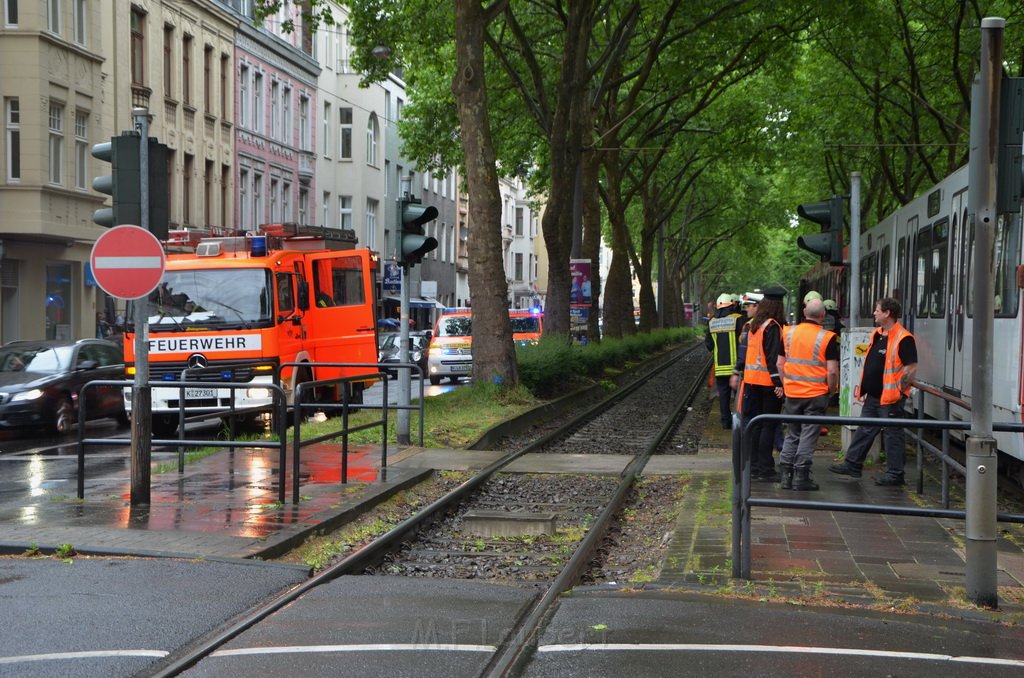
x,y
415,357
28,395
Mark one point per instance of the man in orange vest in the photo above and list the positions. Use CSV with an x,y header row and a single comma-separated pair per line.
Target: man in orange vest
x,y
809,366
889,369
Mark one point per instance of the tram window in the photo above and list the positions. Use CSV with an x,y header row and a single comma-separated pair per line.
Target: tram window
x,y
921,268
883,272
1007,241
868,291
937,274
901,271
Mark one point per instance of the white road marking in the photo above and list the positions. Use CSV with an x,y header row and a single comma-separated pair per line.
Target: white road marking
x,y
792,649
383,647
51,656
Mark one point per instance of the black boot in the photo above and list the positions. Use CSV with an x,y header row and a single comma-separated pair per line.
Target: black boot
x,y
802,480
787,476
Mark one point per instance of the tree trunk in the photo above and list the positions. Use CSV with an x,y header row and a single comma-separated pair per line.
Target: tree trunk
x,y
592,236
494,357
618,292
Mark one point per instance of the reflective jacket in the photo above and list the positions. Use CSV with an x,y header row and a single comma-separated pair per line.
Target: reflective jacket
x,y
806,372
757,371
724,334
893,369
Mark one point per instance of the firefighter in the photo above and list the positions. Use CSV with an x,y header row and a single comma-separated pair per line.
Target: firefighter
x,y
722,338
809,365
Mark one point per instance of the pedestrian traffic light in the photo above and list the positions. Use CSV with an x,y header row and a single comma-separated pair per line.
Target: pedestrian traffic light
x,y
413,243
829,215
124,186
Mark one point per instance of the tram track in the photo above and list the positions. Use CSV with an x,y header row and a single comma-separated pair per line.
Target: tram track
x,y
634,421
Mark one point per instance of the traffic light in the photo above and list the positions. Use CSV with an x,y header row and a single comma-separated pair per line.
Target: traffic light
x,y
413,243
829,243
124,186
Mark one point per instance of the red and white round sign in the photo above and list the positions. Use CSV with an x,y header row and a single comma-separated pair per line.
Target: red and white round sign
x,y
127,262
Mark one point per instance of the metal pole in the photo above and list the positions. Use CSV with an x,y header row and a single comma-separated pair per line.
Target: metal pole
x,y
403,357
981,446
854,320
142,403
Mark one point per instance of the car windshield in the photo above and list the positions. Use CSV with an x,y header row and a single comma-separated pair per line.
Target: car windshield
x,y
41,359
524,324
455,326
389,341
222,297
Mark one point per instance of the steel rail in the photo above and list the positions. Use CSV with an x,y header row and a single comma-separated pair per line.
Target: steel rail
x,y
374,551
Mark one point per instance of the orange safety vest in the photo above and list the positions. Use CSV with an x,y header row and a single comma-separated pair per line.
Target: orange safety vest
x,y
892,371
757,371
806,372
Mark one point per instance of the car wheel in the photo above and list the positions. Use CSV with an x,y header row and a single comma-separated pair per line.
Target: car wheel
x,y
165,426
454,379
122,418
435,380
63,415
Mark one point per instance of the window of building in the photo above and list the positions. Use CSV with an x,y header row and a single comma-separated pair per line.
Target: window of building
x,y
326,130
286,115
398,109
208,79
257,102
169,61
326,210
519,221
519,267
53,16
371,223
225,185
56,143
303,206
304,140
275,109
387,108
186,69
81,149
186,189
81,21
138,63
12,123
345,211
286,201
257,199
345,133
244,221
372,138
225,93
243,95
208,193
275,200
11,13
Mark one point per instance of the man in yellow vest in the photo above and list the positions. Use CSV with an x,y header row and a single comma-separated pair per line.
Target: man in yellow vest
x,y
809,366
889,369
722,338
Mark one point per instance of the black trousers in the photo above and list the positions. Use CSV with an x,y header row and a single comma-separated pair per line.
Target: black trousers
x,y
761,400
724,401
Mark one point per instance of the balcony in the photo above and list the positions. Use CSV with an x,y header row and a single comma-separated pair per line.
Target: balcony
x,y
306,166
462,264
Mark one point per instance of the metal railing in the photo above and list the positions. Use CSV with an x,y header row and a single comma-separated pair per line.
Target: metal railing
x,y
743,502
279,405
300,405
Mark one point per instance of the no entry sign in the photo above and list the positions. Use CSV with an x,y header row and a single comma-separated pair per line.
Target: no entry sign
x,y
127,262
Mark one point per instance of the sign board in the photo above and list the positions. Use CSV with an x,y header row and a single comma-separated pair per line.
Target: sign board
x,y
127,262
392,280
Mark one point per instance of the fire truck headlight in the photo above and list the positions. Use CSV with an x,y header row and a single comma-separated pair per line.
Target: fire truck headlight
x,y
257,393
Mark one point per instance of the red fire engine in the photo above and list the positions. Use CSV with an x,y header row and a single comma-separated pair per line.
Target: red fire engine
x,y
237,308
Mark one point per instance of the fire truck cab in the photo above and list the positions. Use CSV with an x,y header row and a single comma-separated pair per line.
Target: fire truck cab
x,y
237,308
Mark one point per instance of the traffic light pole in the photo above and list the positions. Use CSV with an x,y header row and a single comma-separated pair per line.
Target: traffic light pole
x,y
404,376
142,403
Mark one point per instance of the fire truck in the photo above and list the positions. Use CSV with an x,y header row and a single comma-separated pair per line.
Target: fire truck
x,y
235,309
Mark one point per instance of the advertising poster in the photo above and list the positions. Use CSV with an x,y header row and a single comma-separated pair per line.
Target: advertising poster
x,y
580,294
392,281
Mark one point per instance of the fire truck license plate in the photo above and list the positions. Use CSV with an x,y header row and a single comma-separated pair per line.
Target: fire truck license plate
x,y
200,393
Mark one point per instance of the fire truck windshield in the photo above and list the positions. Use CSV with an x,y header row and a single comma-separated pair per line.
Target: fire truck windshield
x,y
211,297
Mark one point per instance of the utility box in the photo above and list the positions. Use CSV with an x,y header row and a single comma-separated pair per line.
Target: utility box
x,y
852,350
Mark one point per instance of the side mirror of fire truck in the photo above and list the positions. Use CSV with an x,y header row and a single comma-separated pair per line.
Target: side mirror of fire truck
x,y
303,295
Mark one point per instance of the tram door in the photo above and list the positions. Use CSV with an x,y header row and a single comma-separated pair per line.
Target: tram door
x,y
956,294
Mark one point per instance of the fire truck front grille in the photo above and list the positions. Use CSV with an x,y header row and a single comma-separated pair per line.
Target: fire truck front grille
x,y
234,372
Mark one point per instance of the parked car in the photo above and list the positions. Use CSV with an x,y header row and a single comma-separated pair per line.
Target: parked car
x,y
389,346
41,383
